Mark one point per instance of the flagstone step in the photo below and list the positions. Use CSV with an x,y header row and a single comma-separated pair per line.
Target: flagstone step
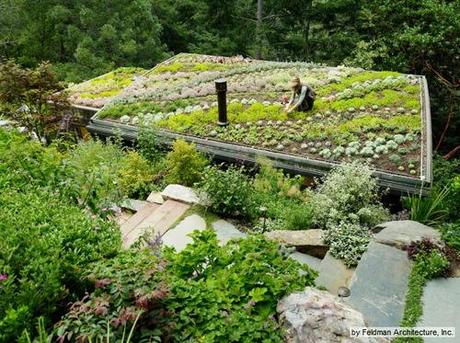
x,y
178,236
130,224
158,221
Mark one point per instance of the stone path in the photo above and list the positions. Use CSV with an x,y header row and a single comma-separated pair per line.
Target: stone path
x,y
226,231
333,274
157,219
378,287
312,262
441,305
178,237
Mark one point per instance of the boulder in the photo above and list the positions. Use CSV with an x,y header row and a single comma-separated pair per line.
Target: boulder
x,y
312,262
155,198
333,274
314,316
180,193
403,232
133,204
306,241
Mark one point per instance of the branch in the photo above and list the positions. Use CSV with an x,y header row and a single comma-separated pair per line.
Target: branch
x,y
452,153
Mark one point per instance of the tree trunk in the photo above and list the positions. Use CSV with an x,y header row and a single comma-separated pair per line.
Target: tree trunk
x,y
260,10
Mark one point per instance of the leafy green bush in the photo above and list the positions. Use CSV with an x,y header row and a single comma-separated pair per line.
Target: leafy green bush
x,y
135,175
230,293
93,174
184,164
147,143
298,216
451,235
204,293
25,163
127,288
228,192
349,193
45,243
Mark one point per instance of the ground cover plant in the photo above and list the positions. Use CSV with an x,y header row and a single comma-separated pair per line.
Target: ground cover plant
x,y
98,91
204,293
362,115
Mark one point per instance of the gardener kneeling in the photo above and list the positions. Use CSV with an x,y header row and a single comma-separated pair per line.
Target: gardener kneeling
x,y
302,98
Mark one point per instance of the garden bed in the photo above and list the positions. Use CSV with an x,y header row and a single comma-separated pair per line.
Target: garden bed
x,y
382,118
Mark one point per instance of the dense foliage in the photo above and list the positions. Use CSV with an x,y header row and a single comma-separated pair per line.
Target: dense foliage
x,y
47,238
204,293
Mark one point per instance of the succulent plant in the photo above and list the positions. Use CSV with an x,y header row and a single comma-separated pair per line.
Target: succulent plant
x,y
400,139
125,119
395,158
401,168
325,153
412,171
392,145
367,151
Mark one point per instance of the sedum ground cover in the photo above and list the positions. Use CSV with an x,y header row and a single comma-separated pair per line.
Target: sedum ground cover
x,y
98,91
358,114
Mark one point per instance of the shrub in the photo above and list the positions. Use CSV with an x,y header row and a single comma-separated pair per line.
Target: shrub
x,y
93,170
298,217
25,163
230,293
45,243
347,242
204,293
348,193
136,176
228,192
451,235
147,143
184,164
127,288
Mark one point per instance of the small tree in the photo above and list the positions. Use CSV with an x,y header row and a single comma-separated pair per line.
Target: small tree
x,y
32,97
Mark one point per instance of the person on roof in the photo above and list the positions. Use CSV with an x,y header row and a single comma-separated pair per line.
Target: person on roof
x,y
302,98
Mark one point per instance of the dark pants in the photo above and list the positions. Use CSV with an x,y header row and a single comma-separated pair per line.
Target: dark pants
x,y
306,105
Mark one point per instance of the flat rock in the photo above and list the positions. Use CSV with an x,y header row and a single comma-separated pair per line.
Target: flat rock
x,y
156,198
314,316
333,273
180,193
306,241
441,302
133,204
403,232
178,237
312,262
226,231
378,287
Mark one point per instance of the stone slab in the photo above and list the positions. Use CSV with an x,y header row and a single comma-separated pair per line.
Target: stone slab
x,y
379,285
133,204
156,198
403,232
178,237
180,193
333,273
130,224
312,262
226,231
158,222
306,241
441,304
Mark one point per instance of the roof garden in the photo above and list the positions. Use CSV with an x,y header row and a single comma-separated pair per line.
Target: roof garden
x,y
379,117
